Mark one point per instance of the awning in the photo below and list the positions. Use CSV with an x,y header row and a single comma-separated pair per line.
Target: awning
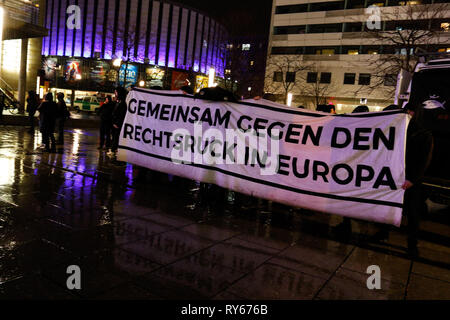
x,y
17,29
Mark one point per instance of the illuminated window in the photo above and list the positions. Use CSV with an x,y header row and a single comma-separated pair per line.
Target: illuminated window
x,y
227,71
353,52
378,3
444,50
245,46
252,63
408,3
445,26
372,52
327,51
229,46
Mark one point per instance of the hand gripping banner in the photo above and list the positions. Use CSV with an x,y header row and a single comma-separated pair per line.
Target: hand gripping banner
x,y
351,165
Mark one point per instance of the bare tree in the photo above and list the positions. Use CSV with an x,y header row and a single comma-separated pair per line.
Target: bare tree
x,y
319,90
407,28
283,74
129,42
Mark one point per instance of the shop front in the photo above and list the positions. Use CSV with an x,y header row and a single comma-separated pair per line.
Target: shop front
x,y
79,78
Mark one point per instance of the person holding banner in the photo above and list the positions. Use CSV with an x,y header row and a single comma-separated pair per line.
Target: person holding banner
x,y
419,148
105,112
118,118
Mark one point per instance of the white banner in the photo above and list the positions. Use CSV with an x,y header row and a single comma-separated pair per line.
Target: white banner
x,y
351,165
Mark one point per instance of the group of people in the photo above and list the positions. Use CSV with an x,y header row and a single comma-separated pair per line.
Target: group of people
x,y
112,113
52,116
419,149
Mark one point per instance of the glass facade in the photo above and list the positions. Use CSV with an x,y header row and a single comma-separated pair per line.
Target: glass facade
x,y
165,33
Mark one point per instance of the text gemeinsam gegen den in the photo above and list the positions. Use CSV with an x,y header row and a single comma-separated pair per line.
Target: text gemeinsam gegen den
x,y
351,165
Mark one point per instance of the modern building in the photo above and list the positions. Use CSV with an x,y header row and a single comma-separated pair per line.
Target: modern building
x,y
21,35
160,43
245,65
334,54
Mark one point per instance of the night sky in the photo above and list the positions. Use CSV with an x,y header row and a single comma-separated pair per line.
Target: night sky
x,y
241,17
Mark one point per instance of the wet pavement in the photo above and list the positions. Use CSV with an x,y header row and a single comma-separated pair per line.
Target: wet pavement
x,y
146,235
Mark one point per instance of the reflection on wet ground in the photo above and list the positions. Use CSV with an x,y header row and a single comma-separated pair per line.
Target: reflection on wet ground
x,y
150,236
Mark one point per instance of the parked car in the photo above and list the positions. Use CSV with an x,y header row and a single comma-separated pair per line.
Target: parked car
x,y
88,103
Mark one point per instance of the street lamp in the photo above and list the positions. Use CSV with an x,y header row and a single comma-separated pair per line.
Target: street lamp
x,y
117,62
212,74
289,99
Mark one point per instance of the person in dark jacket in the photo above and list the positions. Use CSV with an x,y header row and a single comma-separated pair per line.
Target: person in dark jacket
x,y
118,116
62,114
360,109
32,105
47,117
419,149
106,112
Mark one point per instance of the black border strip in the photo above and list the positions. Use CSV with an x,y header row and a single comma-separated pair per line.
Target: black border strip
x,y
74,35
158,32
137,29
105,26
115,27
201,46
94,28
126,42
177,48
302,113
186,40
65,25
83,34
51,28
148,30
208,43
169,35
194,44
271,184
58,25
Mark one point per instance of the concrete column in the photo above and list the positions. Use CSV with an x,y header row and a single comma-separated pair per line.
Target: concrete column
x,y
23,74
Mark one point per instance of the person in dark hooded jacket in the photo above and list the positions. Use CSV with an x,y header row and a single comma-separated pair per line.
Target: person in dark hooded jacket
x,y
32,105
106,113
419,149
118,116
62,115
47,119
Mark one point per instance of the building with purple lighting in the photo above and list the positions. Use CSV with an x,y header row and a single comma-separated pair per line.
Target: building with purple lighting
x,y
163,43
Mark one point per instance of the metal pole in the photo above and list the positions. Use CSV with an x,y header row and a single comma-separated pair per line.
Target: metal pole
x,y
23,74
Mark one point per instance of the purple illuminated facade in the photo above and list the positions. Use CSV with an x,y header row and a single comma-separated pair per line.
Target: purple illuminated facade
x,y
160,33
